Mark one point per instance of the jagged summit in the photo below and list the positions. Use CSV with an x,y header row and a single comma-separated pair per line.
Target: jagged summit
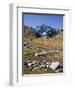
x,y
42,30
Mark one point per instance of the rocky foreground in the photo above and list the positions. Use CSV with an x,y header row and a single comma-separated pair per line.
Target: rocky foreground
x,y
36,66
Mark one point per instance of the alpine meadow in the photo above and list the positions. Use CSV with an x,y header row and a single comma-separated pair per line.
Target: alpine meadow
x,y
42,43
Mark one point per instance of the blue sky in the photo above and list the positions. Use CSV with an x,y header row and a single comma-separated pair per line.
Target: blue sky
x,y
56,21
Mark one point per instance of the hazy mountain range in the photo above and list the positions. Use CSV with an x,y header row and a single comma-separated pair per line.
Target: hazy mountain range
x,y
41,31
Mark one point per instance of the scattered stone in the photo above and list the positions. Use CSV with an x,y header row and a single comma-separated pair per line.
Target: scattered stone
x,y
44,65
54,65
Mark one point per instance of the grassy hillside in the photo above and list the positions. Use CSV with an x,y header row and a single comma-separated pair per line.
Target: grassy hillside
x,y
43,45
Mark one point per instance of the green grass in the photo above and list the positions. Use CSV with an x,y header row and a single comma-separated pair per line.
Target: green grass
x,y
28,50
